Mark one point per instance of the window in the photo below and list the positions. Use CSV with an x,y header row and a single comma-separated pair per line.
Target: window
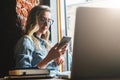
x,y
64,24
58,14
63,13
71,6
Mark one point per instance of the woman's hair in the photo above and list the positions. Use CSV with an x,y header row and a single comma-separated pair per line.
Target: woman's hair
x,y
32,22
33,16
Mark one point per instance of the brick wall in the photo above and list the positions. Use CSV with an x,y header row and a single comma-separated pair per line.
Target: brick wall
x,y
22,9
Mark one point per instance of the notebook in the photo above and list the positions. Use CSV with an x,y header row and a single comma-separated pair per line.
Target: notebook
x,y
21,72
30,73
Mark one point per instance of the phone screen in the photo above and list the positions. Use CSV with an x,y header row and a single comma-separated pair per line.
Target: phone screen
x,y
64,41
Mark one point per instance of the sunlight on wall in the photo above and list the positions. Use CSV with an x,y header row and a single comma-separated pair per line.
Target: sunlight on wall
x,y
114,3
104,3
70,2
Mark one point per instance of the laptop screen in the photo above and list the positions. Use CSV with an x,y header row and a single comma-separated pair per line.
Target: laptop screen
x,y
96,50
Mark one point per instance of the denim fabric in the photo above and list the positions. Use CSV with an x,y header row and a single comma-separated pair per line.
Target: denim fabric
x,y
27,56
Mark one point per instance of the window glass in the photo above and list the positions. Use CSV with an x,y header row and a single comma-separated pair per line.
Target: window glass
x,y
71,6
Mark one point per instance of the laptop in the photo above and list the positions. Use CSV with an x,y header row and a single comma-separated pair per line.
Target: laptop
x,y
96,49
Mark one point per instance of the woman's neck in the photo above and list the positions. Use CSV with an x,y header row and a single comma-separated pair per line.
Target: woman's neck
x,y
38,34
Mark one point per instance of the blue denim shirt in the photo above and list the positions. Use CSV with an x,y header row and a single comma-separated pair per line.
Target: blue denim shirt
x,y
27,56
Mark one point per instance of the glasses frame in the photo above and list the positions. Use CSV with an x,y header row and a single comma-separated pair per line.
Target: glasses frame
x,y
44,21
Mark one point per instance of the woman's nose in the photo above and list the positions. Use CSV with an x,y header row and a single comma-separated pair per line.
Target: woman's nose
x,y
46,24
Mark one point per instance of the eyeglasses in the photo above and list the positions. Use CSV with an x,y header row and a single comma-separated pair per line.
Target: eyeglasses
x,y
47,21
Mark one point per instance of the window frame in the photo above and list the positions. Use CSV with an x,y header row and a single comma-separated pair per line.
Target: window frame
x,y
58,29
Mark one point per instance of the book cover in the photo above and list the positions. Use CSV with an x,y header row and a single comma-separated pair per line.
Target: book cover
x,y
29,72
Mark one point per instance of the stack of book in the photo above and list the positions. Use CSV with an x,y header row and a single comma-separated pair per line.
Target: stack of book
x,y
29,73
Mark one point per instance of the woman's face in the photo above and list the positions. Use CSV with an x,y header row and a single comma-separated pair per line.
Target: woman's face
x,y
44,22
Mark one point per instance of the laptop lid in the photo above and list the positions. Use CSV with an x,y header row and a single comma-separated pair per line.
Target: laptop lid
x,y
96,50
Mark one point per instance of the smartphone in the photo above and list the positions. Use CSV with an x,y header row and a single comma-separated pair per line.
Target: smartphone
x,y
64,40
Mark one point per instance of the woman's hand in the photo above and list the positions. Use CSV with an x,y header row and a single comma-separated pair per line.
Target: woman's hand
x,y
59,60
56,52
53,54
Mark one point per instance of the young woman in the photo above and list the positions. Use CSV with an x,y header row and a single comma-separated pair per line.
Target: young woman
x,y
33,49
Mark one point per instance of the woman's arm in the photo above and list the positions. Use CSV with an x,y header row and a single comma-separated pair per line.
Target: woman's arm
x,y
23,53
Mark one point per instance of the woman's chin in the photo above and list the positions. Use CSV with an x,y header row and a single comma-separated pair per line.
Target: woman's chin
x,y
44,32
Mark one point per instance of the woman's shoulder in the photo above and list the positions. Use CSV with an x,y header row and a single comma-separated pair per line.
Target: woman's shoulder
x,y
25,39
24,43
